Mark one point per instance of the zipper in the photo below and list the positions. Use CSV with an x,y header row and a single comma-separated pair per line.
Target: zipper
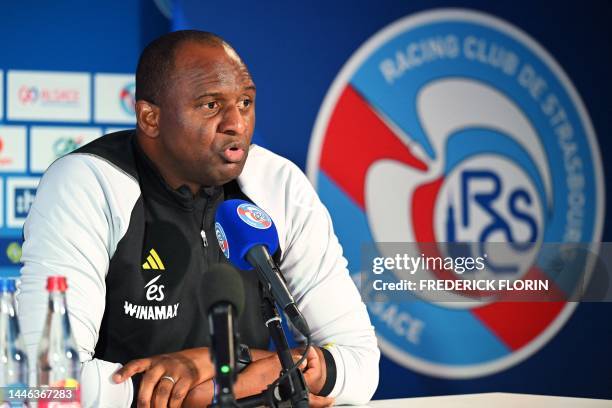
x,y
203,230
211,254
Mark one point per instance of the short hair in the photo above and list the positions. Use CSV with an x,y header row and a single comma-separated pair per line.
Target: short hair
x,y
156,62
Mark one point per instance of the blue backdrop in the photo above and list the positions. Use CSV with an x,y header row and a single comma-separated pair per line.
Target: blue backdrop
x,y
294,51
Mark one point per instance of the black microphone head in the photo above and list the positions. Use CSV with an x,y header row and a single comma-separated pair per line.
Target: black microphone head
x,y
223,284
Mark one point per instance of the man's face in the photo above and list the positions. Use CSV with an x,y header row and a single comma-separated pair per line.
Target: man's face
x,y
207,115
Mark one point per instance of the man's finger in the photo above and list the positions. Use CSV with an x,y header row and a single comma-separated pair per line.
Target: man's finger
x,y
310,376
147,385
316,401
162,392
296,355
316,373
313,359
131,368
312,356
179,392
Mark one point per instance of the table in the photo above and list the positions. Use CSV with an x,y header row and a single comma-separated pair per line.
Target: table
x,y
492,400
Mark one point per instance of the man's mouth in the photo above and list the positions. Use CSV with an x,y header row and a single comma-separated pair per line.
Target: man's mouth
x,y
233,154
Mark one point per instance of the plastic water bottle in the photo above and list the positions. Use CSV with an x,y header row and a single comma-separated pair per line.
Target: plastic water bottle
x,y
13,357
58,359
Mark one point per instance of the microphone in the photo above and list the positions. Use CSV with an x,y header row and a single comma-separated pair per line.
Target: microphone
x,y
223,300
247,236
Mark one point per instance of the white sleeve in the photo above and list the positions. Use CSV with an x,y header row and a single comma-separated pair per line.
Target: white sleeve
x,y
316,272
317,275
80,213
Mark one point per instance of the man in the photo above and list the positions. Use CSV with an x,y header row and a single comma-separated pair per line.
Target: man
x,y
129,219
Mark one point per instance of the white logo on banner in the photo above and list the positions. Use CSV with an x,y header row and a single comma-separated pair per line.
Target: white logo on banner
x,y
48,96
48,143
20,194
12,149
114,98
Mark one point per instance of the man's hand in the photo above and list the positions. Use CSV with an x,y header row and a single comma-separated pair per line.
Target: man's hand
x,y
316,401
315,374
192,369
262,372
252,380
316,370
267,369
187,368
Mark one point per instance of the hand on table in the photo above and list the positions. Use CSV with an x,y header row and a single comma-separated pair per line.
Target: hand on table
x,y
252,380
316,401
168,378
262,372
315,375
192,372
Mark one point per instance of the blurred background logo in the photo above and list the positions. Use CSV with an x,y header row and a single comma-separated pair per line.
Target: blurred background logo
x,y
28,94
13,252
127,98
65,145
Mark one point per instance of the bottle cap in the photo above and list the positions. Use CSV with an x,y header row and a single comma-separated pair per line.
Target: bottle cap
x,y
7,285
56,284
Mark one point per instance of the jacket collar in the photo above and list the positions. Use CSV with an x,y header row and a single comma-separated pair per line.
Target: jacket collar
x,y
152,182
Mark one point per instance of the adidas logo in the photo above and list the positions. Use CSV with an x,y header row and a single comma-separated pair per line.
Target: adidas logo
x,y
153,261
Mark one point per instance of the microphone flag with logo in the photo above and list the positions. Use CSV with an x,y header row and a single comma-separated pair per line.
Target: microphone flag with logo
x,y
241,225
247,236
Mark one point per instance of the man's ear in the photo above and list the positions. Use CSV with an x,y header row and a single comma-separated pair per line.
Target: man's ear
x,y
147,116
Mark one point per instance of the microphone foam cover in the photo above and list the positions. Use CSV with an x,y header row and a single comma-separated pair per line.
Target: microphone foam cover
x,y
223,284
239,226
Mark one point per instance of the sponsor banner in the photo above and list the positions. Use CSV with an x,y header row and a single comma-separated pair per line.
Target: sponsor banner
x,y
2,201
1,94
453,126
12,149
114,98
49,143
48,96
20,194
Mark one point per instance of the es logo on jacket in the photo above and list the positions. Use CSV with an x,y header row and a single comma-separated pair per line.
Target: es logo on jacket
x,y
154,291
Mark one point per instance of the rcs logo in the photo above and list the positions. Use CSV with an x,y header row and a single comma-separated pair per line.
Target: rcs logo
x,y
495,206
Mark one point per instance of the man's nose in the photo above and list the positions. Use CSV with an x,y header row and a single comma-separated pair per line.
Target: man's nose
x,y
233,123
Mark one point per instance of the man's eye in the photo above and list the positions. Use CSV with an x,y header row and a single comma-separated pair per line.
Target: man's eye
x,y
246,103
211,105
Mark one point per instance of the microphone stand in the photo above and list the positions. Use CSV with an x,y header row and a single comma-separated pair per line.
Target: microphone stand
x,y
292,390
225,371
